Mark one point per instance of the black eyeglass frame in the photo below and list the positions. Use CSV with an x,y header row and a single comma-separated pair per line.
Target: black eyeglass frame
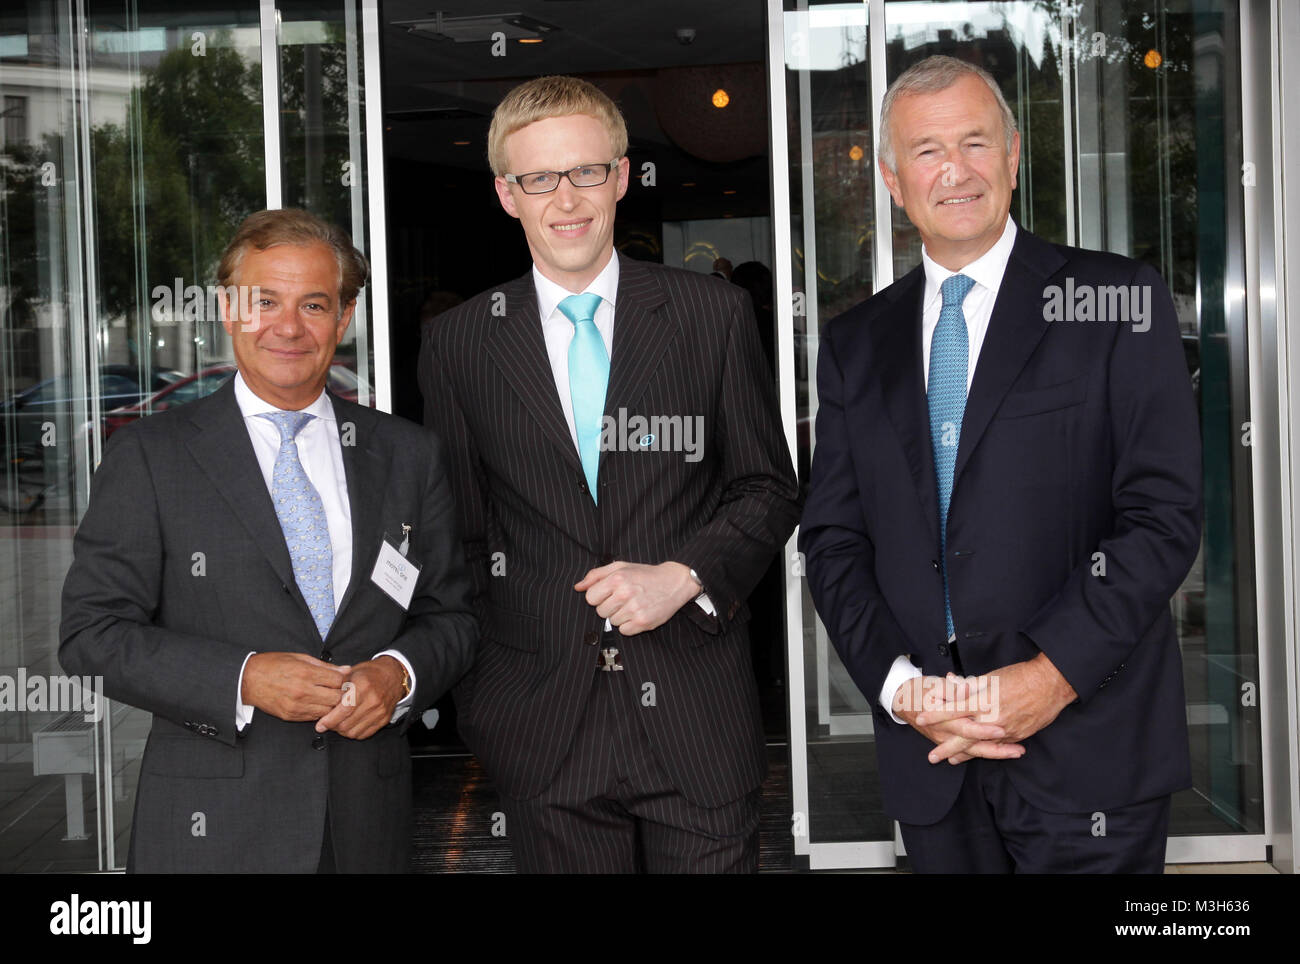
x,y
518,178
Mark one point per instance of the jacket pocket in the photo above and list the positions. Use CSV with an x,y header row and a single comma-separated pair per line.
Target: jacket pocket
x,y
1038,400
195,757
511,629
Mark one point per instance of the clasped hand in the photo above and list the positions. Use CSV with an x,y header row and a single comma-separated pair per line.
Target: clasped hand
x,y
985,716
636,597
354,701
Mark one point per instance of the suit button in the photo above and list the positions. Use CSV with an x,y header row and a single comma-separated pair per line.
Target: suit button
x,y
591,637
318,741
326,656
285,587
935,564
943,649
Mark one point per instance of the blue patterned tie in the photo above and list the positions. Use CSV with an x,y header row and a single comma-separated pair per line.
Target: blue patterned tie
x,y
302,519
588,380
946,387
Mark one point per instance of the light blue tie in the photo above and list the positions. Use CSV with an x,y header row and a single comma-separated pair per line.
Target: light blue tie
x,y
946,387
302,519
588,380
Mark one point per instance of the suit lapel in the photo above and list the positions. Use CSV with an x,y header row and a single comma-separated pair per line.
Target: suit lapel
x,y
519,350
1015,328
897,344
640,338
366,469
225,454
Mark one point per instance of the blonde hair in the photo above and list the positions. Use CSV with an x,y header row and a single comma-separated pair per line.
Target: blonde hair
x,y
265,229
930,76
553,96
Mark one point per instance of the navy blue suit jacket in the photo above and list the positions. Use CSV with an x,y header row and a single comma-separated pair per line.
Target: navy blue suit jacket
x,y
1075,515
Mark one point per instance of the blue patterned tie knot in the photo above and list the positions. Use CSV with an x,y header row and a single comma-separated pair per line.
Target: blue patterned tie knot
x,y
588,380
302,520
946,388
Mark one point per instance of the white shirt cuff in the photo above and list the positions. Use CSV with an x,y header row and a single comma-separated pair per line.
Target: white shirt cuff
x,y
901,672
705,603
404,703
243,712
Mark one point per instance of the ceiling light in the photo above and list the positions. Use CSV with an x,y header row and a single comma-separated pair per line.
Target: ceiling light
x,y
478,29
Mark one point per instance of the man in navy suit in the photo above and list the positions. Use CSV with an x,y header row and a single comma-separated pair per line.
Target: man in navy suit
x,y
1006,484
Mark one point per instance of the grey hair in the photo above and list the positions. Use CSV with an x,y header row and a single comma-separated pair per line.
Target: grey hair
x,y
930,76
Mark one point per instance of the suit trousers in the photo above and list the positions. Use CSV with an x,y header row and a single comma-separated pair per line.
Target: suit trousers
x,y
326,865
992,829
612,809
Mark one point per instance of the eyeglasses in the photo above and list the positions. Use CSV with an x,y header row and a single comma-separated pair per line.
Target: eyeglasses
x,y
544,182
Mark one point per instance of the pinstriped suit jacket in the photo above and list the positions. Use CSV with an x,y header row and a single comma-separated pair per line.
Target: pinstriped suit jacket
x,y
684,345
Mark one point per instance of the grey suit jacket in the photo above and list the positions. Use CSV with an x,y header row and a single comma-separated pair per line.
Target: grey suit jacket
x,y
686,351
180,569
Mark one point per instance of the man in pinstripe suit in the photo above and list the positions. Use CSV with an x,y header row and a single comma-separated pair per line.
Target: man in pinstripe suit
x,y
623,483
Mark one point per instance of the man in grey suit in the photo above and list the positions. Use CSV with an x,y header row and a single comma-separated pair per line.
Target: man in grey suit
x,y
623,483
275,574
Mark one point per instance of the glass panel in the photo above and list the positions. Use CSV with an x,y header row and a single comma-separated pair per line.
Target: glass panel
x,y
160,113
323,147
47,799
832,153
1159,148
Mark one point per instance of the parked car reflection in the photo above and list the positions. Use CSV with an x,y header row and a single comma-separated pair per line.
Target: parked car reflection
x,y
342,382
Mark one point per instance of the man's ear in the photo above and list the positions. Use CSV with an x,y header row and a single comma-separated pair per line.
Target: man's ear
x,y
624,173
225,308
891,181
348,310
1014,160
505,197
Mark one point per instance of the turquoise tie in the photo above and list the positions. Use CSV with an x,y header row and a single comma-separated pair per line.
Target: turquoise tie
x,y
302,519
588,380
946,387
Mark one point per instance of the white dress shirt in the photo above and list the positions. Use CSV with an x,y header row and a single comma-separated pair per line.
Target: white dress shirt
x,y
558,331
321,455
986,271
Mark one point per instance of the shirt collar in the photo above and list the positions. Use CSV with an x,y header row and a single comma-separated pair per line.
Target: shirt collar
x,y
986,270
549,294
251,404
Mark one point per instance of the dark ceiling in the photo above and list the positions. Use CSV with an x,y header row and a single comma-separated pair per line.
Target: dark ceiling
x,y
437,92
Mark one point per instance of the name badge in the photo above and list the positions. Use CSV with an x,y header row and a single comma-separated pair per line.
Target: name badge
x,y
394,573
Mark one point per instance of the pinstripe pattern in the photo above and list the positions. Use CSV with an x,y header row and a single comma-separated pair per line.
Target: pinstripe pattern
x,y
612,809
684,345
